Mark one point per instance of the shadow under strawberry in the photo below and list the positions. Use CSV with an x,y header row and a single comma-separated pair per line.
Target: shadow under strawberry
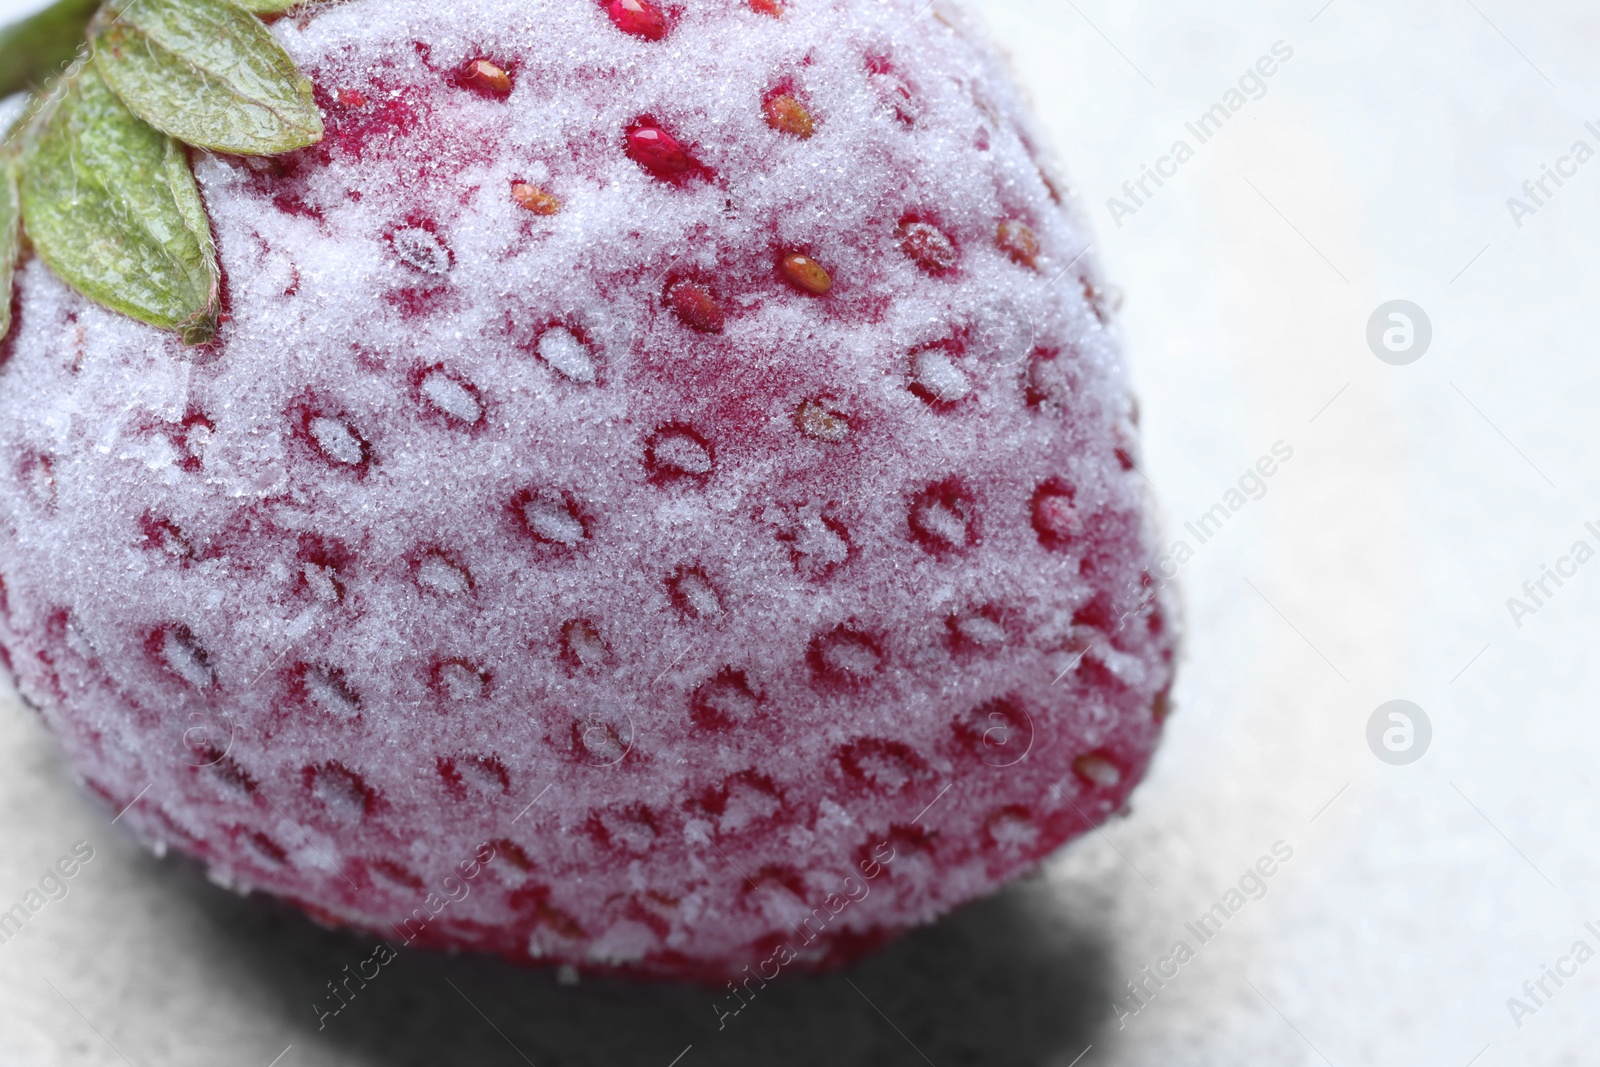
x,y
1019,978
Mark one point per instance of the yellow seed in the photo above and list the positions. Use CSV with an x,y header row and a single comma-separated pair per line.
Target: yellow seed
x,y
788,115
806,274
535,199
488,76
1017,240
816,420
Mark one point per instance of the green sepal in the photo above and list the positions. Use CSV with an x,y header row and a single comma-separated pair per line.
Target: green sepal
x,y
10,240
267,7
39,49
112,207
206,72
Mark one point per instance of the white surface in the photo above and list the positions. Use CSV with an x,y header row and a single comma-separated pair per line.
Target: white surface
x,y
1389,544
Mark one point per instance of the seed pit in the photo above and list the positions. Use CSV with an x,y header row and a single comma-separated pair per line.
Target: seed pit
x,y
163,536
180,652
978,631
999,732
1104,302
744,801
724,702
552,518
395,874
880,765
328,690
631,827
459,681
452,396
225,770
513,853
421,251
323,583
928,247
337,441
943,518
846,656
603,739
581,644
693,594
892,90
37,472
341,791
1055,516
1098,769
936,378
818,543
436,573
189,439
322,565
1050,377
568,355
1012,828
677,452
265,847
819,420
480,774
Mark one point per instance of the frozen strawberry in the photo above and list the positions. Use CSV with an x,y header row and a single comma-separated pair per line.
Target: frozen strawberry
x,y
726,547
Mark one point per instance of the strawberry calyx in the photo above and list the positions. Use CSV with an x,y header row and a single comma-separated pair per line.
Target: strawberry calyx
x,y
138,82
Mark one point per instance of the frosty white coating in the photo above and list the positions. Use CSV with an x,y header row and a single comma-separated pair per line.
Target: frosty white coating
x,y
472,506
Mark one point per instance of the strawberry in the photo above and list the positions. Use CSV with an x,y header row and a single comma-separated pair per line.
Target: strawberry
x,y
670,457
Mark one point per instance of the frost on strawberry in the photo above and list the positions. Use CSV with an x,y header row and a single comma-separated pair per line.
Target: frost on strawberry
x,y
608,414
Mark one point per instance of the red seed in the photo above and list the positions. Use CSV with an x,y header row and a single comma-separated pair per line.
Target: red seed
x,y
658,152
534,199
352,98
805,274
696,307
641,18
1017,240
928,247
486,77
767,7
788,115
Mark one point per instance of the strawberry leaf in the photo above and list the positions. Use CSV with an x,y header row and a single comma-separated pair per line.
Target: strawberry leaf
x,y
10,239
267,7
208,73
113,209
41,46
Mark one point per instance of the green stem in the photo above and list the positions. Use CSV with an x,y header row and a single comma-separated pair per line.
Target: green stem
x,y
42,46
